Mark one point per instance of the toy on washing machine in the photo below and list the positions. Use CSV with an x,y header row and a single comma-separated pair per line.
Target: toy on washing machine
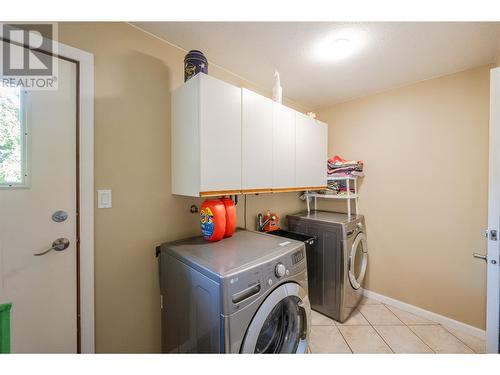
x,y
269,222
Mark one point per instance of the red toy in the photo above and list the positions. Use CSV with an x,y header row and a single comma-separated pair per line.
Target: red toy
x,y
272,220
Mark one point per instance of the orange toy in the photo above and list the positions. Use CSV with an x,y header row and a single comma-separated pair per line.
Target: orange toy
x,y
230,216
213,220
273,223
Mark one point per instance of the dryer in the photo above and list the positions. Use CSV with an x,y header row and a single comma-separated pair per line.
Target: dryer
x,y
337,263
244,294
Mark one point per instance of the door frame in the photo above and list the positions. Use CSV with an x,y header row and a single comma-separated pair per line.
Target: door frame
x,y
85,186
493,258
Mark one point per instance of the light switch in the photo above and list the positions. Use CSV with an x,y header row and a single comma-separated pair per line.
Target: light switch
x,y
104,199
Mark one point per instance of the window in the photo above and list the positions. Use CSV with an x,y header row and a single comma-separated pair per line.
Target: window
x,y
13,163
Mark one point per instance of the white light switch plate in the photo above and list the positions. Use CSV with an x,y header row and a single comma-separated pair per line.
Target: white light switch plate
x,y
104,199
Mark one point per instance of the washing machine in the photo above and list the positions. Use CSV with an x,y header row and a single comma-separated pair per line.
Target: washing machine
x,y
337,263
244,294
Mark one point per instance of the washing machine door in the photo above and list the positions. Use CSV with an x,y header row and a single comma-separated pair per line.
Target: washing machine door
x,y
281,324
358,261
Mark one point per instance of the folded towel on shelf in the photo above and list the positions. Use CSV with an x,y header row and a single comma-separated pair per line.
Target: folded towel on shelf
x,y
346,174
339,167
340,187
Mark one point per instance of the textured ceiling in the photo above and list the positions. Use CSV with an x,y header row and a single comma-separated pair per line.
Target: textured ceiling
x,y
389,54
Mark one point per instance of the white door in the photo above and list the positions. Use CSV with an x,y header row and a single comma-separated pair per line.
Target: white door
x,y
38,177
311,152
257,141
492,258
283,147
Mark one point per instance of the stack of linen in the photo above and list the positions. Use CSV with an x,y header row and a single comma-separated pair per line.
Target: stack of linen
x,y
339,167
339,187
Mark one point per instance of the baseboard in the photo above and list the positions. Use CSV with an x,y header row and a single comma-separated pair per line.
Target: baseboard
x,y
459,326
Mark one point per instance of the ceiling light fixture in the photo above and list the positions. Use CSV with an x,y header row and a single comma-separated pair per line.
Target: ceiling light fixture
x,y
338,46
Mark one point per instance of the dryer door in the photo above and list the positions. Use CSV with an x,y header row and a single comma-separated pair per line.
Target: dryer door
x,y
281,324
358,261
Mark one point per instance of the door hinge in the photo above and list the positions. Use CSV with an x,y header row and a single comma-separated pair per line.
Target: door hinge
x,y
161,301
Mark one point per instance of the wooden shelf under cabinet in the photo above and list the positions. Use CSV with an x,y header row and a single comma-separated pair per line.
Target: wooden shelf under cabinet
x,y
217,193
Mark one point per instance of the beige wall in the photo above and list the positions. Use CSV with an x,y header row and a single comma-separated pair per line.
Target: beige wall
x,y
425,192
134,75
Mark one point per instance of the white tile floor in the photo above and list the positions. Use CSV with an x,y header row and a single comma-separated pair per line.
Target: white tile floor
x,y
378,328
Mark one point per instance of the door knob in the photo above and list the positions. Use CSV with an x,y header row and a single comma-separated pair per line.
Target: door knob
x,y
58,245
480,256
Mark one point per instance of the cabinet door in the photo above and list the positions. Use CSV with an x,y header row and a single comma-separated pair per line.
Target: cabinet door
x,y
283,147
220,136
184,139
257,141
311,151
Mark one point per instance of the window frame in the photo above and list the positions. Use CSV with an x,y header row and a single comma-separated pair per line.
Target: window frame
x,y
25,145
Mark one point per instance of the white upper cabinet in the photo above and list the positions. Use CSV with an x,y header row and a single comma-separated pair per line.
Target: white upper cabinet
x,y
257,142
206,137
283,147
227,140
311,152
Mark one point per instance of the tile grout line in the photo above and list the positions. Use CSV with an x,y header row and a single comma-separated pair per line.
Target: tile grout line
x,y
397,317
421,338
370,323
459,339
386,343
430,322
345,340
338,330
379,335
442,326
406,325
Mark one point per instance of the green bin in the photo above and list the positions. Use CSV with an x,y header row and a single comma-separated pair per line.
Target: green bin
x,y
5,328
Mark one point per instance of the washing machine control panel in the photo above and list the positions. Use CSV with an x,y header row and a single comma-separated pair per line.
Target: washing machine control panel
x,y
298,256
280,270
284,267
